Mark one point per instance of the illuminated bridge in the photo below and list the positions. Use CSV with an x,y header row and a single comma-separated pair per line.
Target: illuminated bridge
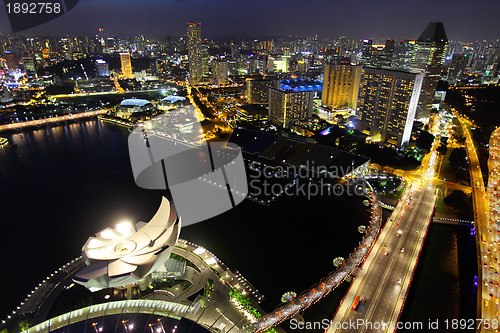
x,y
329,283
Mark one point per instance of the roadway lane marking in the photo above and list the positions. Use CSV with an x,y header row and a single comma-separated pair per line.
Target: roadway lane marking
x,y
384,280
413,258
398,213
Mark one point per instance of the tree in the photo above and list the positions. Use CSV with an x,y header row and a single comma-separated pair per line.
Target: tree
x,y
458,157
461,202
442,149
425,140
456,199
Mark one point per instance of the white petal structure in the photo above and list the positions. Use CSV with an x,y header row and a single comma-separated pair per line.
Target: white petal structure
x,y
127,253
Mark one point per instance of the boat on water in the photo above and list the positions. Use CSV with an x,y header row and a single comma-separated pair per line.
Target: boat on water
x,y
14,145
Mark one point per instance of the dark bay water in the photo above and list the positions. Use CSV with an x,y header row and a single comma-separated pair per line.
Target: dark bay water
x,y
62,184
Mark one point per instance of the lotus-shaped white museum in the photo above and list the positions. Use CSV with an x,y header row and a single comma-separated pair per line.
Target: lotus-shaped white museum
x,y
127,253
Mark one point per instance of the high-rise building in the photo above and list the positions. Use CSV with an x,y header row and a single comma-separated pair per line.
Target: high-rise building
x,y
126,64
101,67
194,52
403,55
258,91
366,50
12,61
262,64
457,67
29,66
428,59
341,85
387,104
207,68
288,105
221,70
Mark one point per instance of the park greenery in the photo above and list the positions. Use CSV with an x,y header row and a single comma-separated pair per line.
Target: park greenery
x,y
461,203
188,262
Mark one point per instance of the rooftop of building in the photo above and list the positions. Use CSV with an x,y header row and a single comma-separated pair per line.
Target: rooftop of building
x,y
279,149
134,102
297,85
393,72
173,99
253,108
434,32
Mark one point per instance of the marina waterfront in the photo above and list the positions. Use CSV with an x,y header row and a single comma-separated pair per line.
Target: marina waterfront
x,y
61,184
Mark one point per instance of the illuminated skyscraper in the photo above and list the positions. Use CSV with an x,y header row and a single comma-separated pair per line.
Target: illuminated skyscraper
x,y
366,50
29,66
403,55
194,52
221,70
12,61
340,85
457,67
101,67
126,64
387,104
258,91
428,58
287,105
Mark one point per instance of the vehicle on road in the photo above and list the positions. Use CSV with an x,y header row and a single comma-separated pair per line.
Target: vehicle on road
x,y
402,249
399,281
355,303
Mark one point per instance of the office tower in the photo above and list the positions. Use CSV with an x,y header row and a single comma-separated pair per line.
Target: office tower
x,y
12,61
29,66
155,66
403,55
126,64
258,91
100,37
205,63
221,69
366,50
341,85
377,56
235,51
347,46
387,104
232,66
492,70
262,64
101,67
288,105
279,64
386,58
457,67
194,52
428,59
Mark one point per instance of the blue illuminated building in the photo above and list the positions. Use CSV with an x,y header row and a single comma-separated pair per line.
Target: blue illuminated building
x,y
297,85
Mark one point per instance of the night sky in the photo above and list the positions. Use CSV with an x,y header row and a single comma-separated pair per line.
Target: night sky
x,y
463,20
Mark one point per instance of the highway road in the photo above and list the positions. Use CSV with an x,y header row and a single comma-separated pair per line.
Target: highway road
x,y
488,292
377,282
386,275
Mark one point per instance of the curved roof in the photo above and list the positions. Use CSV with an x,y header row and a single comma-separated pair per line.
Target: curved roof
x,y
129,252
173,99
134,102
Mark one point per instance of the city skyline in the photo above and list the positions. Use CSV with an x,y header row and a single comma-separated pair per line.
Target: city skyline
x,y
221,18
361,130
